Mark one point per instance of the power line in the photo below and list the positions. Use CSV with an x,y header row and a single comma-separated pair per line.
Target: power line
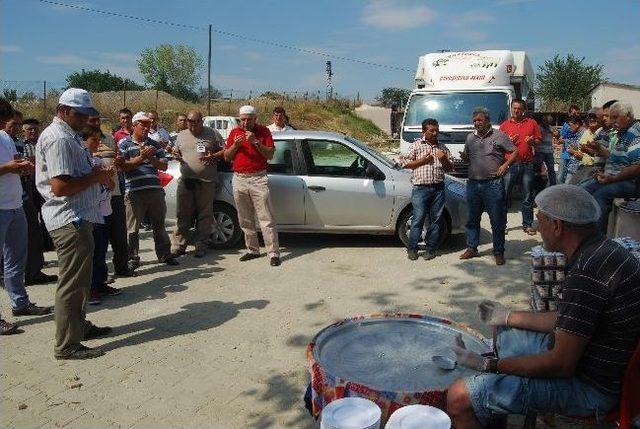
x,y
230,34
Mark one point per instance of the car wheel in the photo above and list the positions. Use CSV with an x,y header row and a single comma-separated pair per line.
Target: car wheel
x,y
404,226
226,229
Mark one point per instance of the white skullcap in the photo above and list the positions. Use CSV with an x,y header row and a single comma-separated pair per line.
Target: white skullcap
x,y
141,117
569,203
248,110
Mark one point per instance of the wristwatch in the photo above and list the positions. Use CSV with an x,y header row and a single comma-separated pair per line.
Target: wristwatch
x,y
491,365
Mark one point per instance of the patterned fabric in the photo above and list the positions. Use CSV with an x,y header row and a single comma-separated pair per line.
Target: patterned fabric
x,y
60,152
573,143
326,387
146,175
626,151
428,174
601,303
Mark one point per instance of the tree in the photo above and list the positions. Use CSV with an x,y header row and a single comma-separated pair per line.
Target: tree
x,y
567,80
203,94
173,69
99,81
390,96
11,95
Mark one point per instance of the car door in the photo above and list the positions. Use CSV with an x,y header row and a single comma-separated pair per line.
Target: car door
x,y
338,191
285,186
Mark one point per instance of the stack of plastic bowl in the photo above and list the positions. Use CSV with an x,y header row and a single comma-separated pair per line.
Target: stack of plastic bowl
x,y
419,417
351,413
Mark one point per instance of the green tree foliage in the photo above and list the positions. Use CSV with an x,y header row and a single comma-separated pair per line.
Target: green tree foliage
x,y
390,96
11,95
567,80
174,69
99,81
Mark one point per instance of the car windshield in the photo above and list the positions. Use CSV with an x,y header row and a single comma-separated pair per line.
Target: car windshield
x,y
455,108
373,152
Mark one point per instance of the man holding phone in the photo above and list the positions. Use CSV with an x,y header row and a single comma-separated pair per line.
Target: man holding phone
x,y
248,147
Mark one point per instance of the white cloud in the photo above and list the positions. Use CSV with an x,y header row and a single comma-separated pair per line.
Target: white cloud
x,y
314,80
469,25
64,59
6,49
254,56
396,15
124,57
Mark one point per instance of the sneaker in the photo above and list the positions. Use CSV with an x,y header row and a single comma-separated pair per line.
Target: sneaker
x,y
94,298
428,255
41,279
199,253
275,261
412,254
97,331
249,256
7,328
82,352
107,290
469,253
32,310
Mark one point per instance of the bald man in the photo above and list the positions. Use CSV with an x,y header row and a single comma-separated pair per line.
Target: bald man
x,y
198,148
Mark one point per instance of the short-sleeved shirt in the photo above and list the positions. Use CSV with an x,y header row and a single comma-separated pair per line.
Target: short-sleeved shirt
x,y
160,135
146,175
193,147
546,145
60,152
625,151
601,303
566,133
120,134
248,160
10,185
523,129
487,153
428,174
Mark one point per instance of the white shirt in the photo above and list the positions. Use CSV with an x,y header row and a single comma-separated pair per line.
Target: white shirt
x,y
160,135
276,129
10,185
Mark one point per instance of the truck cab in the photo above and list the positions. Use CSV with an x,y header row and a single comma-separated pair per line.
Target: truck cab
x,y
450,85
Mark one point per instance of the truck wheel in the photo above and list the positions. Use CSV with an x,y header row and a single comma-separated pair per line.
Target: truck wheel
x,y
226,229
404,226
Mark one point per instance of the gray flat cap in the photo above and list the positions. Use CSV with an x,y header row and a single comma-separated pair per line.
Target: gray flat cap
x,y
569,203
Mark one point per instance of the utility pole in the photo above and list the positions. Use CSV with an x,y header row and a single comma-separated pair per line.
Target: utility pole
x,y
209,77
329,84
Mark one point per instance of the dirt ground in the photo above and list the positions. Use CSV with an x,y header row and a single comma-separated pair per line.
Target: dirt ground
x,y
215,343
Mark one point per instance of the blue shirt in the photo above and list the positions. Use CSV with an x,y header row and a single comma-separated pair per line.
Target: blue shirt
x,y
146,175
566,133
625,151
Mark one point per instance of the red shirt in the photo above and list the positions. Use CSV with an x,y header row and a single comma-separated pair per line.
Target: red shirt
x,y
524,128
120,134
248,159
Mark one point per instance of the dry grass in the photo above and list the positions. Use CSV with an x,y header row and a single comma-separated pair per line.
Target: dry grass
x,y
332,115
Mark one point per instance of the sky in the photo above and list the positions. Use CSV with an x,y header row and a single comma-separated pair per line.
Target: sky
x,y
44,41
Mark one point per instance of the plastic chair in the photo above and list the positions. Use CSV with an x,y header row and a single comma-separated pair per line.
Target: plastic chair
x,y
628,406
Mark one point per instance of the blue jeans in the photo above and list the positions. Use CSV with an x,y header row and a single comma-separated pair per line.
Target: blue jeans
x,y
606,193
562,170
486,195
13,241
427,200
497,395
101,243
522,173
548,160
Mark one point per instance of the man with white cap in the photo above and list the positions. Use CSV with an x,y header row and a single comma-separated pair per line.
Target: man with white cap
x,y
569,361
70,187
140,159
249,146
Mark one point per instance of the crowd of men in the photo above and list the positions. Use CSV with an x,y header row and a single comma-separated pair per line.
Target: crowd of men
x,y
86,189
603,158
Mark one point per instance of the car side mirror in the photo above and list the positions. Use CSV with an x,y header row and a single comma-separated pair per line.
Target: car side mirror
x,y
373,172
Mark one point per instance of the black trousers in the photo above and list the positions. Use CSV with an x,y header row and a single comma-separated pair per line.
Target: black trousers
x,y
35,248
118,235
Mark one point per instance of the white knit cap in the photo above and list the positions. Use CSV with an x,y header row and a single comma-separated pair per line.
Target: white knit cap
x,y
569,203
248,110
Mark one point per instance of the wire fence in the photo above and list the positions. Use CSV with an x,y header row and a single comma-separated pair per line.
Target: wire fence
x,y
38,99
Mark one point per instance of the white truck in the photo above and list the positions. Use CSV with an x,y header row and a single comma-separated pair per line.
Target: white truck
x,y
450,85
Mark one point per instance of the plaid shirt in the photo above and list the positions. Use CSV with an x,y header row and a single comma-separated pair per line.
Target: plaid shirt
x,y
428,174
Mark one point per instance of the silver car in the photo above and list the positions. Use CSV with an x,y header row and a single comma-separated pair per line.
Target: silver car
x,y
327,182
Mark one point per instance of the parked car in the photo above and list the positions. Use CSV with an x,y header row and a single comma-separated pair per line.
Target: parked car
x,y
223,124
324,182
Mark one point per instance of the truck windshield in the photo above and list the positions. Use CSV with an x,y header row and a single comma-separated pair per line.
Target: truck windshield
x,y
455,108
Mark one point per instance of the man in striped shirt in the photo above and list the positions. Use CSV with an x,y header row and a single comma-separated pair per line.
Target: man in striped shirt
x,y
141,158
571,361
429,160
70,187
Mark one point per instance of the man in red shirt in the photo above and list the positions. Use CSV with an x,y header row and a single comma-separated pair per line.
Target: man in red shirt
x,y
249,146
126,125
525,134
